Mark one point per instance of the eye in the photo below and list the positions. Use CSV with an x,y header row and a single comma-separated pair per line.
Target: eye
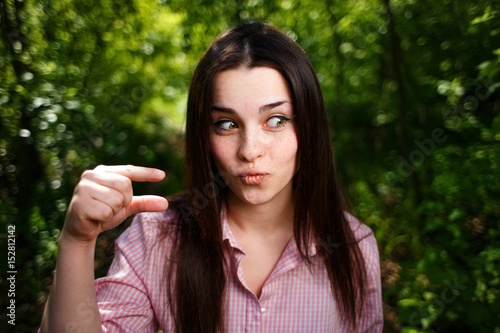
x,y
277,121
226,125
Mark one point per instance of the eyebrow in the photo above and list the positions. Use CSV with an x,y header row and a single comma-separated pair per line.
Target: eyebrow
x,y
262,109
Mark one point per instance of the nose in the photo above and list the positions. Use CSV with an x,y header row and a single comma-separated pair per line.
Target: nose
x,y
251,146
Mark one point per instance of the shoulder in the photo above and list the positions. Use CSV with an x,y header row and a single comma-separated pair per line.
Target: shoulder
x,y
364,237
145,244
147,228
371,319
153,221
359,229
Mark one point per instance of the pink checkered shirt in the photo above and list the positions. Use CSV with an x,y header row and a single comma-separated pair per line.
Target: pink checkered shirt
x,y
132,297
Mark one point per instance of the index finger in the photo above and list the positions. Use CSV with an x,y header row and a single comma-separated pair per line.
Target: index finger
x,y
134,173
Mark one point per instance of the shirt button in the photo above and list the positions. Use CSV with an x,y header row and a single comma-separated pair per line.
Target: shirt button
x,y
263,310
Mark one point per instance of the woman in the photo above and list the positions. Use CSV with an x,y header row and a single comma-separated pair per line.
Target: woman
x,y
259,241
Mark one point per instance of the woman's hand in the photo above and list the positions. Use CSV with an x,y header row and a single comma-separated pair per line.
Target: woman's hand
x,y
103,199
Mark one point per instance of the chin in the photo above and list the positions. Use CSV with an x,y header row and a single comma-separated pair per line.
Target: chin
x,y
259,200
254,198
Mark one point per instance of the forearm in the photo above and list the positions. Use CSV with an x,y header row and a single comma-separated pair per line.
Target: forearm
x,y
102,200
72,304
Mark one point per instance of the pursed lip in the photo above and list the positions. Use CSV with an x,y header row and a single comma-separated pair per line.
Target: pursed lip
x,y
252,177
251,172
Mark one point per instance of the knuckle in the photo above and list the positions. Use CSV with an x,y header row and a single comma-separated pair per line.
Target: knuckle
x,y
123,185
107,213
142,204
88,180
100,167
87,174
81,188
127,199
127,185
117,202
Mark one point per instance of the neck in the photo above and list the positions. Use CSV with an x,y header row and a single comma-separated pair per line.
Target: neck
x,y
274,216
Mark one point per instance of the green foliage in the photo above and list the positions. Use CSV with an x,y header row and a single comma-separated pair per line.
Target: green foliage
x,y
413,93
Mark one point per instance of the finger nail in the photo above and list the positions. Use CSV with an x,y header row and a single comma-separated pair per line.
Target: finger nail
x,y
159,173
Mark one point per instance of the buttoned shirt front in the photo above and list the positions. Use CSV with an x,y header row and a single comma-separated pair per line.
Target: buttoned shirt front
x,y
295,297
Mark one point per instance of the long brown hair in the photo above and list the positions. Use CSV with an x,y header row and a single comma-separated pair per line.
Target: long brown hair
x,y
196,278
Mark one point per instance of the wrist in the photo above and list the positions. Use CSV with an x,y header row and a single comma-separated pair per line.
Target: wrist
x,y
68,240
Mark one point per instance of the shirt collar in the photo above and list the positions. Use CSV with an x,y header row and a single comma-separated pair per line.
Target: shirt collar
x,y
227,232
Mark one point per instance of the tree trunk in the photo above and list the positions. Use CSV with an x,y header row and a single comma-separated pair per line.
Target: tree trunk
x,y
29,169
401,126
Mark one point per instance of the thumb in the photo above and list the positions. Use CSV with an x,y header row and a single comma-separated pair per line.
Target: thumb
x,y
146,203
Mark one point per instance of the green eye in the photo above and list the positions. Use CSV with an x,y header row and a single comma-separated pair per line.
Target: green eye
x,y
277,121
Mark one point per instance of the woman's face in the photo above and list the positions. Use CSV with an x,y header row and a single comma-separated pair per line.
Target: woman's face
x,y
253,136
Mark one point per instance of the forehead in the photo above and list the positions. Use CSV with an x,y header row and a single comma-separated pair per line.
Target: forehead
x,y
249,85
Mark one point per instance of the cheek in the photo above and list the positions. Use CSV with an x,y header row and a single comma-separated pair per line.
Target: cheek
x,y
290,150
218,150
289,146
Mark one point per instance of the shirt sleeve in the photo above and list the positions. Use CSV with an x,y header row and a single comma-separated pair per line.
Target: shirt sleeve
x,y
122,296
372,318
